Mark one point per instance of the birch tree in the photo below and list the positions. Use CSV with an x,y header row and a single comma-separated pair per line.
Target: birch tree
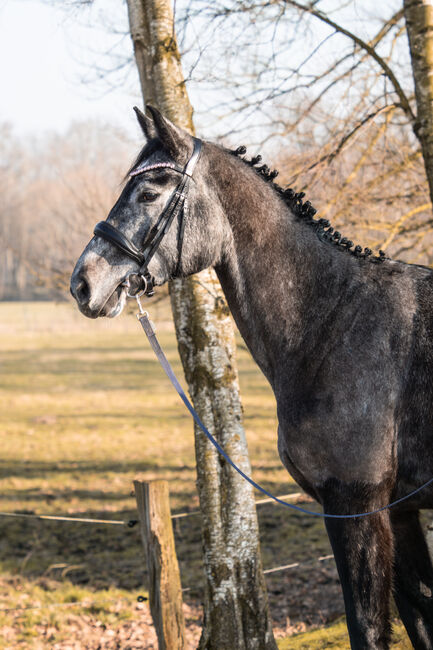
x,y
419,24
235,609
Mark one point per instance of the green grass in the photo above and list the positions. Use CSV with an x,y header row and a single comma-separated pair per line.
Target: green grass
x,y
336,637
85,409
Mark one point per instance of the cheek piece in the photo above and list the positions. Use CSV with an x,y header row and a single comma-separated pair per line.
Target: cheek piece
x,y
174,208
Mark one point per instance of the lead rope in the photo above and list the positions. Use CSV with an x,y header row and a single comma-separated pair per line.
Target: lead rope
x,y
149,330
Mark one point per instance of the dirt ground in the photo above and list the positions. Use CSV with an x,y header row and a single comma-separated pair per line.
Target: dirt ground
x,y
299,599
311,600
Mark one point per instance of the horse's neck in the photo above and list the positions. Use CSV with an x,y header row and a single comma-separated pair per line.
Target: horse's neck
x,y
274,274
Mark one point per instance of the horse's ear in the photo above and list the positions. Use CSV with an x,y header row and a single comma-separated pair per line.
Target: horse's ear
x,y
145,123
174,140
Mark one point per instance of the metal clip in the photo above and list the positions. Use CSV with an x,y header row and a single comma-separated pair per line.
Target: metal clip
x,y
141,311
148,325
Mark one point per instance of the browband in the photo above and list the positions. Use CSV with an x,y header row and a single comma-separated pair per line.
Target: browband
x,y
148,168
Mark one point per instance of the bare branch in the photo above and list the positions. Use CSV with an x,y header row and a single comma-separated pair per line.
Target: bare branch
x,y
404,102
328,158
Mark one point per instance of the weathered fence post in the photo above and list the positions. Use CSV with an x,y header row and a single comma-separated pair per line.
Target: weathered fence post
x,y
165,591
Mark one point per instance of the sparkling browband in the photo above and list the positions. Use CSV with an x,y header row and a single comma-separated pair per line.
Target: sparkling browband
x,y
148,168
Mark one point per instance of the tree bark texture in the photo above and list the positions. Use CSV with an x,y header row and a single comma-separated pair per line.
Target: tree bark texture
x,y
419,23
236,608
236,613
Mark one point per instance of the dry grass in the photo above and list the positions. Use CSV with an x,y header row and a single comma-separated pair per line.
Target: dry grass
x,y
85,409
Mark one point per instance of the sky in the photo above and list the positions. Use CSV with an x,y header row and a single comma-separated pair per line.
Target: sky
x,y
45,58
50,54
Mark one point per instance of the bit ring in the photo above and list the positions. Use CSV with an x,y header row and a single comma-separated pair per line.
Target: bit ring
x,y
140,293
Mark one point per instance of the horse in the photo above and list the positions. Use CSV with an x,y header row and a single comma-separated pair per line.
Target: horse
x,y
344,337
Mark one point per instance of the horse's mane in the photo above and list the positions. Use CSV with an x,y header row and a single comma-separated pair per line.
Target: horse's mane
x,y
304,210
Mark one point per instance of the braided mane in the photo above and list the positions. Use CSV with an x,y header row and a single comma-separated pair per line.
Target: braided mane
x,y
305,211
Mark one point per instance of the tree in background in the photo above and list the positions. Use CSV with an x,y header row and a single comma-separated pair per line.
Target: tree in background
x,y
329,84
13,274
236,608
419,23
52,189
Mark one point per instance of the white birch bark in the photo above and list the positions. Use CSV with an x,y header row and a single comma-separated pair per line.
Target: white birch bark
x,y
236,613
419,24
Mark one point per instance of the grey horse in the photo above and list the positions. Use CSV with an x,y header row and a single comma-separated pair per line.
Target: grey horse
x,y
345,339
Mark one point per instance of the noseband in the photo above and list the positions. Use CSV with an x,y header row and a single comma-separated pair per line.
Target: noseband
x,y
175,207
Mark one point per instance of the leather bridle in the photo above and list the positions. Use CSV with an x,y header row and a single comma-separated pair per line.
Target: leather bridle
x,y
175,207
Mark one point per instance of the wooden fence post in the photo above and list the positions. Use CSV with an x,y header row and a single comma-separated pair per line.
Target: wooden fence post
x,y
165,591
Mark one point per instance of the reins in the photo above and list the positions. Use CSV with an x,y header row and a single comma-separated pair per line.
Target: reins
x,y
173,209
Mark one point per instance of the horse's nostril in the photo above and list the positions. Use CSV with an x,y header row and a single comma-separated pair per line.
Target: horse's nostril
x,y
82,292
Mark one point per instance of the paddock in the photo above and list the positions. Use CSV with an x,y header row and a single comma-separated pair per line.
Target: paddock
x,y
77,430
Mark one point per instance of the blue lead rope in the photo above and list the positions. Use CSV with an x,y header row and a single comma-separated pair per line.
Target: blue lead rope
x,y
150,333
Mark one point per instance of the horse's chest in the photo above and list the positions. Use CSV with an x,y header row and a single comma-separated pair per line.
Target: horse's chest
x,y
348,434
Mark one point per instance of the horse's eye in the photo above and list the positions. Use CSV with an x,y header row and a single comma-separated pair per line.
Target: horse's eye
x,y
147,197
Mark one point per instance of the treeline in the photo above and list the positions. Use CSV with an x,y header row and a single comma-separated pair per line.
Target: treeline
x,y
53,189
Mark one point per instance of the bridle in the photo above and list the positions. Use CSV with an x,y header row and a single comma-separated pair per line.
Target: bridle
x,y
175,207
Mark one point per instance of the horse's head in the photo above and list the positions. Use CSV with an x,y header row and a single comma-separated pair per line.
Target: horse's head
x,y
152,230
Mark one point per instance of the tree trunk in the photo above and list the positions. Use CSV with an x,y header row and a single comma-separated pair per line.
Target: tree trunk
x,y
419,23
236,613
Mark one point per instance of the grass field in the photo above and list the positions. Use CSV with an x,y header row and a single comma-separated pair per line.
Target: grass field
x,y
85,409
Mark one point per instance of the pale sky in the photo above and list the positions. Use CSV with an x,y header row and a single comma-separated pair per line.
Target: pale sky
x,y
44,55
47,53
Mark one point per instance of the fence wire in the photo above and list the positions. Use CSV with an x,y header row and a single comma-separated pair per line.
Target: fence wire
x,y
140,599
82,520
85,604
130,523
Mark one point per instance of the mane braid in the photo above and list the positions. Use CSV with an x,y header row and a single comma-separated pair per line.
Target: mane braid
x,y
305,211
